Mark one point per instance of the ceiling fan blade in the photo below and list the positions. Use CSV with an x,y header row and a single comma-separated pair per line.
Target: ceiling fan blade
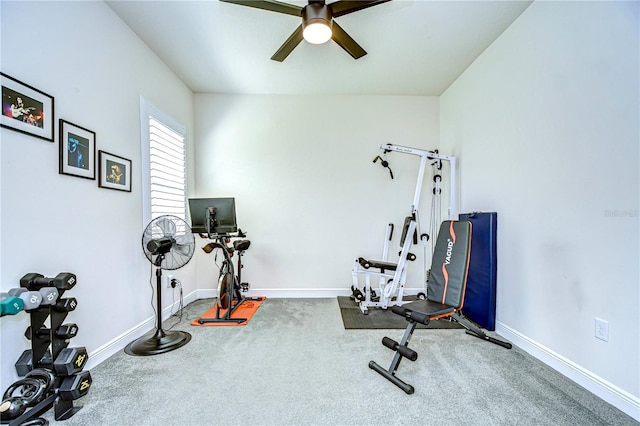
x,y
273,6
341,8
294,39
345,41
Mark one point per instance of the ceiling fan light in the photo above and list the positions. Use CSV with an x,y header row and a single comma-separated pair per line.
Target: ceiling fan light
x,y
316,23
317,33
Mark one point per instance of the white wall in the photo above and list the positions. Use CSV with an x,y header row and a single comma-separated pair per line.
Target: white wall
x,y
546,125
96,69
307,192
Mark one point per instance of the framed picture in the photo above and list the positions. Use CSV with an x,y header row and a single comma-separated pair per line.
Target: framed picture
x,y
26,109
77,151
114,171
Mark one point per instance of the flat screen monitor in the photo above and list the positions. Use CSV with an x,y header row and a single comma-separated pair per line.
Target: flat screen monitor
x,y
213,215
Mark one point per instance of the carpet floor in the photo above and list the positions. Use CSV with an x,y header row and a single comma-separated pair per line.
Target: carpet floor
x,y
295,364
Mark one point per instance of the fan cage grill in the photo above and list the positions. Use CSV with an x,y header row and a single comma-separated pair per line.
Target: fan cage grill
x,y
183,241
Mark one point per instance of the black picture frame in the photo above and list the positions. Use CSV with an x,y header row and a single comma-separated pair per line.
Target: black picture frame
x,y
77,151
26,109
114,172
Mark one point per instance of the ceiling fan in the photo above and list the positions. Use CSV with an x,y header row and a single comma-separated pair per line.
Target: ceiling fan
x,y
318,23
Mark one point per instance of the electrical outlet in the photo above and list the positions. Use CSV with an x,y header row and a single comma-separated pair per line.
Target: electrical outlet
x,y
169,278
602,330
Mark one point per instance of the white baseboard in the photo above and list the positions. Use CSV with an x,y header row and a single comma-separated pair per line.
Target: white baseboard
x,y
119,343
299,293
603,389
285,293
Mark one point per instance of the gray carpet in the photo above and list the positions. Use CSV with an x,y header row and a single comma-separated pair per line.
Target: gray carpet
x,y
295,364
354,319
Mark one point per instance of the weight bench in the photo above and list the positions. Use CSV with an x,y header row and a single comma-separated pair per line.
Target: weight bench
x,y
445,297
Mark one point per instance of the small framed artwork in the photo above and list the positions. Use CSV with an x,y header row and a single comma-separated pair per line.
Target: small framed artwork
x,y
77,151
114,172
26,109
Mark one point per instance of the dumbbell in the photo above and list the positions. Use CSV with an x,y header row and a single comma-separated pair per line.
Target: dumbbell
x,y
70,361
65,331
67,304
62,281
31,299
24,364
49,295
35,298
75,386
11,305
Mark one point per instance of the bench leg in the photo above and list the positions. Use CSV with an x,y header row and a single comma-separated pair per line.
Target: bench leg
x,y
473,330
402,351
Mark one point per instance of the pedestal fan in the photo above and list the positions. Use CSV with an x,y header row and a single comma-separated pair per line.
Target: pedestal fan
x,y
168,243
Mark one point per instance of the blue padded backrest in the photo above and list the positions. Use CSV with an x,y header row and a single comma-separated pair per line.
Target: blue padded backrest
x,y
450,263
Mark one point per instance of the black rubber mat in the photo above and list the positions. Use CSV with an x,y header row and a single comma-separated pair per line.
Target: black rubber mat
x,y
353,318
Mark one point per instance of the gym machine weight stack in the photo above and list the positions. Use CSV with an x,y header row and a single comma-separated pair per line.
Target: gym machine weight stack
x,y
50,355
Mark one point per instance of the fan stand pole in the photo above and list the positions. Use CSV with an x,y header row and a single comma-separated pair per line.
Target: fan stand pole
x,y
159,341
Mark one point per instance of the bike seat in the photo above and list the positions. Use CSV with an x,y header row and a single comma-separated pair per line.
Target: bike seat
x,y
241,245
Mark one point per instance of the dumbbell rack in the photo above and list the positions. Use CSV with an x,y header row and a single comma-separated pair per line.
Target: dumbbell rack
x,y
45,352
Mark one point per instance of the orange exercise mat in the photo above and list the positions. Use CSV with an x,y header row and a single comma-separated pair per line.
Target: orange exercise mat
x,y
246,310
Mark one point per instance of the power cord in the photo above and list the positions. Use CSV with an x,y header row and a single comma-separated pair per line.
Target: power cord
x,y
174,283
178,314
152,289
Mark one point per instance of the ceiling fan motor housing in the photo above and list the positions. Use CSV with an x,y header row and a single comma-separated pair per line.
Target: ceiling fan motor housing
x,y
315,14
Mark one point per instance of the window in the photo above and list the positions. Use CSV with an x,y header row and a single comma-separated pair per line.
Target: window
x,y
163,158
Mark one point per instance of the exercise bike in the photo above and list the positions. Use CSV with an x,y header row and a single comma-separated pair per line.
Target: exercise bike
x,y
230,285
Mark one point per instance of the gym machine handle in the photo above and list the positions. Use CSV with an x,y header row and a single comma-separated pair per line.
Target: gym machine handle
x,y
384,163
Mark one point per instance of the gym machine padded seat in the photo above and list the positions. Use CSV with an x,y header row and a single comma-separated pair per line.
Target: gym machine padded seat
x,y
366,264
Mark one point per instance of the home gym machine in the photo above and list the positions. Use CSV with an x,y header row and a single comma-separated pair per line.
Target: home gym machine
x,y
220,226
392,275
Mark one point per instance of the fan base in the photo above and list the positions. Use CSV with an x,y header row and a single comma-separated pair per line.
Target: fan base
x,y
160,342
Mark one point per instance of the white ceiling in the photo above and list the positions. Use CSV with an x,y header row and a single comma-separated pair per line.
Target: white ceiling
x,y
415,47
